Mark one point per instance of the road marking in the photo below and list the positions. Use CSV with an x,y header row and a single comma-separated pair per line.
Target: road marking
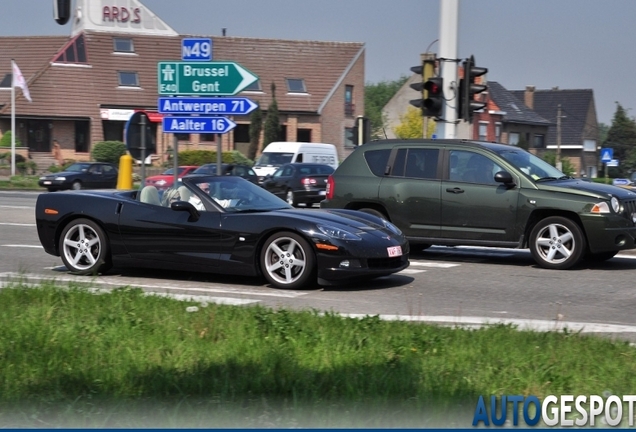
x,y
115,282
16,207
23,246
434,264
522,324
206,299
16,224
410,271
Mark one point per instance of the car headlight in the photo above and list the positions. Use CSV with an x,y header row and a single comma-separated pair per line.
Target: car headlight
x,y
616,206
388,225
60,178
42,178
337,233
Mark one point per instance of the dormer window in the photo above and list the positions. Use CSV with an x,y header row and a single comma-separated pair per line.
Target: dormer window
x,y
123,45
73,52
255,86
296,85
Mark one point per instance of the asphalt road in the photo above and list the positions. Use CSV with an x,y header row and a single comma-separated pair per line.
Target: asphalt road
x,y
463,286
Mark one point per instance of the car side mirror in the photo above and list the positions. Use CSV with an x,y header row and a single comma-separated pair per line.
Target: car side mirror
x,y
504,177
186,206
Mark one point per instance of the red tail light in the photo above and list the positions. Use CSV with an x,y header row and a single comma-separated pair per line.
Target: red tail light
x,y
331,187
308,181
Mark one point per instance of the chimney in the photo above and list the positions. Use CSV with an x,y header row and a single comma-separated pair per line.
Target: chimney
x,y
528,97
224,31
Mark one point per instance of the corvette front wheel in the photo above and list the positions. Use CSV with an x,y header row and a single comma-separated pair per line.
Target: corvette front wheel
x,y
84,248
288,261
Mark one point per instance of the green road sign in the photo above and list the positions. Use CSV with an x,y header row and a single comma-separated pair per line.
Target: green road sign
x,y
202,78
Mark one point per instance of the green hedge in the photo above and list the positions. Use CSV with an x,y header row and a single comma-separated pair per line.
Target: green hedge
x,y
108,151
5,141
202,157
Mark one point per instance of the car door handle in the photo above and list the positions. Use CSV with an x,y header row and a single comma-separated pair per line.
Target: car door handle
x,y
455,190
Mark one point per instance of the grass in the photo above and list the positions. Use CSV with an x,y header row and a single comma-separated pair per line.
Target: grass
x,y
124,359
21,182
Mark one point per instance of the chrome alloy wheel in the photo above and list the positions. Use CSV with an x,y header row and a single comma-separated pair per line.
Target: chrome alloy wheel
x,y
81,247
285,260
555,243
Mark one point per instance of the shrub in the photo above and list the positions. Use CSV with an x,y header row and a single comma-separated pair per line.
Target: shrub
x,y
202,157
5,141
108,151
25,168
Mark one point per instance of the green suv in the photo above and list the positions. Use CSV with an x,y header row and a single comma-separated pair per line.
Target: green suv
x,y
452,192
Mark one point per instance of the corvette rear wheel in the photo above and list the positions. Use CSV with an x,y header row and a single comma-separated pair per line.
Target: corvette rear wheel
x,y
557,243
288,261
84,248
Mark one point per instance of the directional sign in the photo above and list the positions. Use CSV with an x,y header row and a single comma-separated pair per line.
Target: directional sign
x,y
620,182
196,49
202,78
197,125
612,163
201,105
607,154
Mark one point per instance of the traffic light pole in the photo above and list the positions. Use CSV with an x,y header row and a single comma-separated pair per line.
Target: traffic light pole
x,y
449,17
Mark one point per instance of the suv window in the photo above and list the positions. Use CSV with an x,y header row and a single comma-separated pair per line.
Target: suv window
x,y
377,160
472,167
416,163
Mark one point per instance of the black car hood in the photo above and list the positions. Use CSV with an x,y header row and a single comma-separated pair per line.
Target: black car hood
x,y
587,188
356,221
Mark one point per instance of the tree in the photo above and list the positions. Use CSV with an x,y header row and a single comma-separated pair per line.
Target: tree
x,y
412,124
256,126
376,97
567,167
272,122
5,141
621,137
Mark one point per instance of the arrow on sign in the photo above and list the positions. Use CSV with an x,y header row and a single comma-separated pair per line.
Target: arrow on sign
x,y
197,125
202,78
200,105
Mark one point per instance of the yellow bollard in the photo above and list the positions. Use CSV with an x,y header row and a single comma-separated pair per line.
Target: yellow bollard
x,y
125,178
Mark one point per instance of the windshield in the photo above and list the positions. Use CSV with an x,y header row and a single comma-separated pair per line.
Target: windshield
x,y
205,169
234,194
77,167
533,166
271,158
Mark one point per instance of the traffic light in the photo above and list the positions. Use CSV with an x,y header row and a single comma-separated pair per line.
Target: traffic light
x,y
434,96
466,103
62,11
427,70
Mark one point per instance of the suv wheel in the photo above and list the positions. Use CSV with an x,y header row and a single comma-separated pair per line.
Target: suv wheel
x,y
557,243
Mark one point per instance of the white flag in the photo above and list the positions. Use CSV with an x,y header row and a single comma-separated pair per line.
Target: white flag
x,y
19,81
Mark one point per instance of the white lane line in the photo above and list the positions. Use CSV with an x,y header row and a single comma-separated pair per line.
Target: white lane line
x,y
218,300
115,282
15,207
433,264
22,246
16,224
410,271
522,324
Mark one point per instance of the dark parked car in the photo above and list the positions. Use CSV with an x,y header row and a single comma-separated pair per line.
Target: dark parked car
x,y
451,192
82,175
239,170
299,183
220,224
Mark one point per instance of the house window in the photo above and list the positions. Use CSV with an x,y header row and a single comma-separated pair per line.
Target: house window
x,y
498,132
128,79
513,139
303,135
74,52
539,141
296,85
123,45
255,86
182,136
588,145
483,131
349,106
208,137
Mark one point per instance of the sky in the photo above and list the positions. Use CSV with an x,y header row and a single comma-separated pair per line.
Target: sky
x,y
570,44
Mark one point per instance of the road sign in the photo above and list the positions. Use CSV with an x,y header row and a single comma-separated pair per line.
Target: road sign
x,y
201,105
132,134
197,125
620,182
612,163
607,154
202,78
196,49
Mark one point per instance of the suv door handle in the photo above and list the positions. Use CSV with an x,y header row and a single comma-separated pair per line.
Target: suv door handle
x,y
455,190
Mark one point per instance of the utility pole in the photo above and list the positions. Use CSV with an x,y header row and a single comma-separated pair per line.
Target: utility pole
x,y
558,163
449,16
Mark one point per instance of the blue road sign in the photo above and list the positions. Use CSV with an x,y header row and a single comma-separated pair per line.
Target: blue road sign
x,y
620,182
202,105
607,154
197,125
196,49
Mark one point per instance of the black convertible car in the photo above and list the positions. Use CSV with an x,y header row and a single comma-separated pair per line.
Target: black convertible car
x,y
220,224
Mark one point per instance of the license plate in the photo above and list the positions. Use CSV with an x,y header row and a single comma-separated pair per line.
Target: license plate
x,y
322,192
394,251
46,182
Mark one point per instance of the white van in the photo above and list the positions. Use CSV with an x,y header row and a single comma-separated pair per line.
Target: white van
x,y
280,153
